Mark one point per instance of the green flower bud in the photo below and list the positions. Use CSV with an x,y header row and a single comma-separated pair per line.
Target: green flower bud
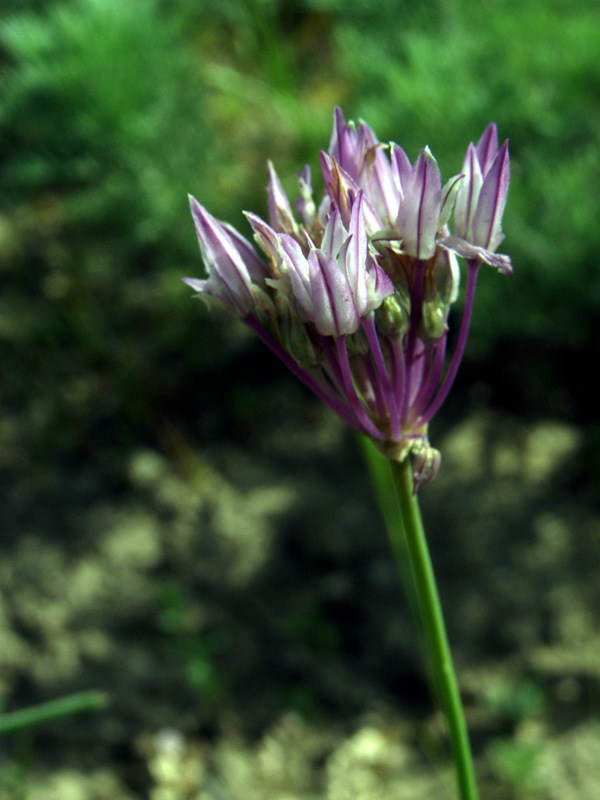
x,y
433,319
393,315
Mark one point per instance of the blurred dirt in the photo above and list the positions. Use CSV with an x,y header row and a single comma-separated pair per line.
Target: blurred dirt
x,y
241,609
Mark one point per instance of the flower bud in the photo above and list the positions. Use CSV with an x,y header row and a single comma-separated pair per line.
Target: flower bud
x,y
419,214
230,261
392,318
433,319
280,211
482,194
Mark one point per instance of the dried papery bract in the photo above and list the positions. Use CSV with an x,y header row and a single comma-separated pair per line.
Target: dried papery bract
x,y
354,293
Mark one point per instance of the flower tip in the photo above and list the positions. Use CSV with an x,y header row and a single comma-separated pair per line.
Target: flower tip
x,y
487,147
273,177
254,220
506,267
199,213
426,160
194,283
338,115
325,159
491,131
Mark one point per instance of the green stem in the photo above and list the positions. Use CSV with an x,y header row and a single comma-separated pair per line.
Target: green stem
x,y
52,710
435,630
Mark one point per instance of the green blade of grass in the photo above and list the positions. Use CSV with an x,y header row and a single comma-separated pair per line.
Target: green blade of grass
x,y
79,703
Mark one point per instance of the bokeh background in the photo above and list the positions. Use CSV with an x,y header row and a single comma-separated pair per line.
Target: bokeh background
x,y
183,525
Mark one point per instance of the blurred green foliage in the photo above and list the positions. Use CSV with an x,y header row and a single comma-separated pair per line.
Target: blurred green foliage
x,y
515,762
110,112
180,640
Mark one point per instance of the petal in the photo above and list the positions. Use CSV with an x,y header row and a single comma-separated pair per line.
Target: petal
x,y
419,213
305,205
447,276
196,284
379,286
256,266
356,256
343,190
334,310
487,147
280,211
334,234
339,126
295,266
471,251
468,192
449,193
229,277
401,167
381,185
366,136
339,186
264,235
345,146
492,200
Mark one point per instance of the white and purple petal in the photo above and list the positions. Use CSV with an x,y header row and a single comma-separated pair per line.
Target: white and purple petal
x,y
295,266
356,256
449,194
473,252
264,236
305,205
401,168
379,285
487,147
280,210
468,194
229,278
334,310
334,234
419,214
487,220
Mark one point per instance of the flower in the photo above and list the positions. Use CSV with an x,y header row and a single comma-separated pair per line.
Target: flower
x,y
355,292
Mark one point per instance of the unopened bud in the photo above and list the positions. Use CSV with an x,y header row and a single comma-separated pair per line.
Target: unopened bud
x,y
433,319
393,315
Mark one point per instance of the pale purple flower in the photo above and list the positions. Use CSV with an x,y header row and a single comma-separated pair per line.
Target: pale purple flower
x,y
481,200
419,214
355,292
233,267
332,286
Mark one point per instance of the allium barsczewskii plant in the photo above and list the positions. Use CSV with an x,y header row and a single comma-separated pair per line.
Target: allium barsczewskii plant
x,y
354,293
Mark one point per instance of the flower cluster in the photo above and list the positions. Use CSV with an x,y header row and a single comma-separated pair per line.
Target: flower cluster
x,y
354,293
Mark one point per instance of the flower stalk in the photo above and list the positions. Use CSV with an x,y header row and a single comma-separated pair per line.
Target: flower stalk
x,y
433,625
